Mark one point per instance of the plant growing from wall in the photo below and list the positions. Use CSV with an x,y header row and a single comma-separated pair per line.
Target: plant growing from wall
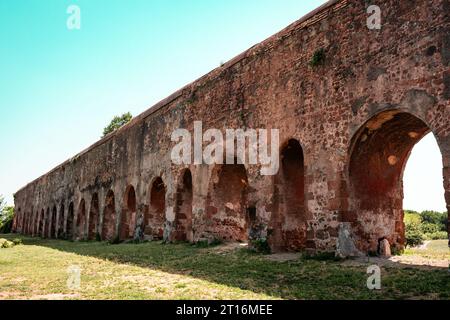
x,y
117,122
318,58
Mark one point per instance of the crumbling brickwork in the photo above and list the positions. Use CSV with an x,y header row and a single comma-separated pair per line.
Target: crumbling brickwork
x,y
347,126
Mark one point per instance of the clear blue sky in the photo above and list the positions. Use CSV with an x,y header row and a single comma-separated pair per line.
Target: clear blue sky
x,y
59,88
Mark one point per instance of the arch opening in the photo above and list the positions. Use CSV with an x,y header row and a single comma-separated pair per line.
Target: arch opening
x,y
81,220
60,230
227,203
109,217
288,221
47,223
53,223
155,216
40,231
69,224
128,215
183,211
93,218
380,151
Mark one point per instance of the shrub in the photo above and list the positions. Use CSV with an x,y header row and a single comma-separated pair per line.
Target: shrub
x,y
117,122
430,225
17,241
413,234
429,228
261,245
439,235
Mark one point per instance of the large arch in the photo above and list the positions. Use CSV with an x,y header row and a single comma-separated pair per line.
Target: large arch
x,y
155,216
226,208
60,229
81,220
25,223
53,223
69,224
40,231
47,223
94,211
33,223
378,155
109,217
288,221
183,209
128,214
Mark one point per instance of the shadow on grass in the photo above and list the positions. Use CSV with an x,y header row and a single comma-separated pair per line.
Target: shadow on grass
x,y
299,279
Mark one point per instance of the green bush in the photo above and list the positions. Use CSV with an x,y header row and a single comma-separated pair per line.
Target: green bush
x,y
117,122
439,235
17,241
429,228
261,245
413,234
430,225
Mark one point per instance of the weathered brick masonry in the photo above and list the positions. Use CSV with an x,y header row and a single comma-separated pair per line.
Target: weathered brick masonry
x,y
347,127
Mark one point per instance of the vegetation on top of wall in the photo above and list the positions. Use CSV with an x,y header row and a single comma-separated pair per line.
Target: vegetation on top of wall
x,y
6,216
427,225
117,122
318,58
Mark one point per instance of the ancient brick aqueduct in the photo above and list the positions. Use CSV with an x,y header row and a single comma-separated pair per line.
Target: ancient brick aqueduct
x,y
347,126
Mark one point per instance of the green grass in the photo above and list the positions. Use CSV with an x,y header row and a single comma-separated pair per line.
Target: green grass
x,y
38,270
436,249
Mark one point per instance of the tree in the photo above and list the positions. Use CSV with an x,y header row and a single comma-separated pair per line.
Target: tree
x,y
2,203
6,216
117,122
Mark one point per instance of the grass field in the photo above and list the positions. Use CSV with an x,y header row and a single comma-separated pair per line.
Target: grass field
x,y
437,249
38,270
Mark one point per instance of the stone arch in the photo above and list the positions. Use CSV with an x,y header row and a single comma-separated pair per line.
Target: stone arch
x,y
377,158
30,222
155,216
109,217
183,208
69,224
53,223
227,203
47,223
19,219
128,214
25,222
94,214
60,229
33,223
40,230
288,225
81,220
